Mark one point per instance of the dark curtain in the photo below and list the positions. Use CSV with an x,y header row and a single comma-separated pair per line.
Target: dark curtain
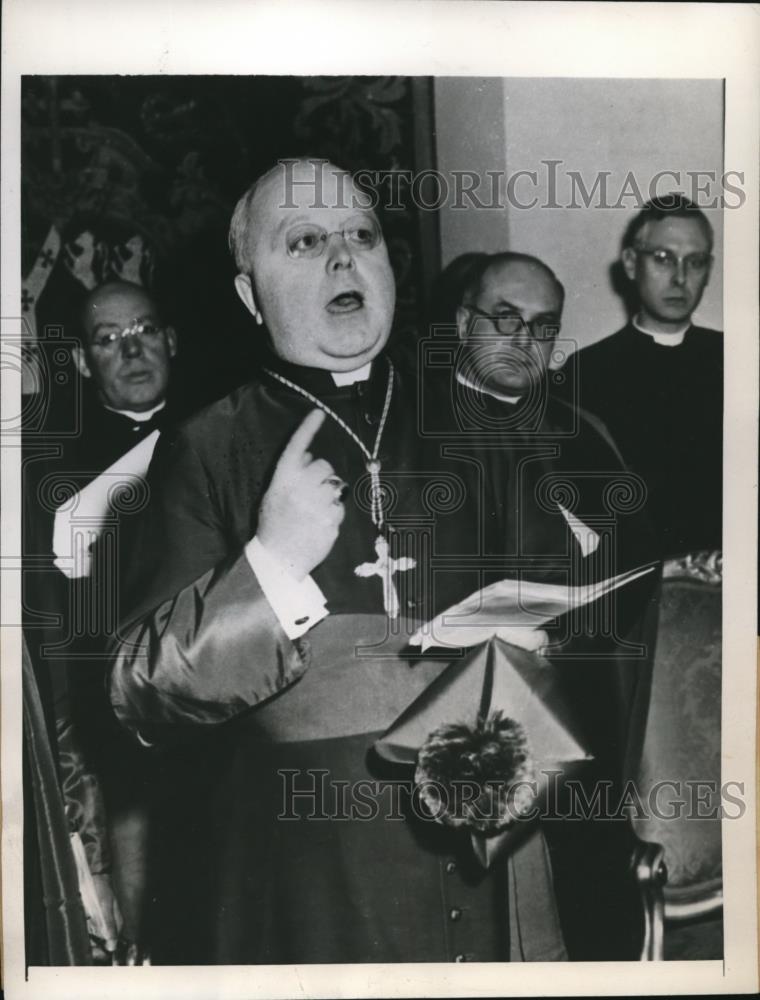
x,y
109,159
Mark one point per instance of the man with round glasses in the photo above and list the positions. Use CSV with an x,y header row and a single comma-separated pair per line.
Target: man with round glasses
x,y
123,355
658,382
126,352
125,360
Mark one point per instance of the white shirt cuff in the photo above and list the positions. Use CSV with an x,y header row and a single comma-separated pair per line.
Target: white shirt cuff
x,y
298,604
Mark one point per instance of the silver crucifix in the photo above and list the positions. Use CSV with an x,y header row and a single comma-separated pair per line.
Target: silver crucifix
x,y
385,567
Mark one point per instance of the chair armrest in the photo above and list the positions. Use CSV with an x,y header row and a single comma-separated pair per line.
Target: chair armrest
x,y
648,866
682,905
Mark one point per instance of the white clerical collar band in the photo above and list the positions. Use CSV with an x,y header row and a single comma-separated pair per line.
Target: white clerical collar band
x,y
487,392
141,417
349,378
663,339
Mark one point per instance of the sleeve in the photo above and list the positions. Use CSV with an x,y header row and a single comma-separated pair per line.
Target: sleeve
x,y
298,604
202,644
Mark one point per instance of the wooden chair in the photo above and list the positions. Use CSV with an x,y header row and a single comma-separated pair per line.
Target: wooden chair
x,y
678,862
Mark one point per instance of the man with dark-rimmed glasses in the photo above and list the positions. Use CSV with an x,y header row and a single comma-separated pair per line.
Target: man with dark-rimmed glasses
x,y
564,475
508,321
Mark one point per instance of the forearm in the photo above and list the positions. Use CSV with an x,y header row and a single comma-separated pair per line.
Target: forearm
x,y
211,652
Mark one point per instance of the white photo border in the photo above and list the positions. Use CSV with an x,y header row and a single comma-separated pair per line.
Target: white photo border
x,y
667,40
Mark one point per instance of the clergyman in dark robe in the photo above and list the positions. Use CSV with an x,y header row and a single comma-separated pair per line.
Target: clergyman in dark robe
x,y
299,531
565,481
658,382
123,356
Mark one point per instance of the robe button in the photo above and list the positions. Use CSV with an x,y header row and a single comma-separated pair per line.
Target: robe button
x,y
451,867
369,419
455,914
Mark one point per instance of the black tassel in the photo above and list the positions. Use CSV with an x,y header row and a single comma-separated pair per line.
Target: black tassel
x,y
482,777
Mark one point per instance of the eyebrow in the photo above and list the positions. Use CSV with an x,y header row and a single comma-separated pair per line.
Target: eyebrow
x,y
364,213
505,303
104,325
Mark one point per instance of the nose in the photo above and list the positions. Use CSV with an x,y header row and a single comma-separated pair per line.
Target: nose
x,y
131,346
523,337
679,274
339,254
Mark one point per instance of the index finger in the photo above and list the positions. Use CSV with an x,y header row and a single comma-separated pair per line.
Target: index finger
x,y
302,437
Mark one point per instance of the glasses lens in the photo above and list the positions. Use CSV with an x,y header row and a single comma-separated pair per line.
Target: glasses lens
x,y
107,339
544,329
509,323
305,241
363,234
664,258
697,261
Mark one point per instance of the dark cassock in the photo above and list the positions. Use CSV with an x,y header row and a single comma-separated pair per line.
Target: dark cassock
x,y
69,619
283,837
57,469
663,404
560,472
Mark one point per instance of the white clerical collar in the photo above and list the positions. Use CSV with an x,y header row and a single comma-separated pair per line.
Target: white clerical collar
x,y
487,392
663,339
140,417
348,378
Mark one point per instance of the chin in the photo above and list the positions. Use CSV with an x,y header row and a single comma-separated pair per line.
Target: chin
x,y
142,402
673,313
360,351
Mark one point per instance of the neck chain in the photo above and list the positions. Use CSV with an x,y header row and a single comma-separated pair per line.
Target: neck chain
x,y
372,463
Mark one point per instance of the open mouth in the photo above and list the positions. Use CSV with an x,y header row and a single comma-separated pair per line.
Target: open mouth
x,y
346,302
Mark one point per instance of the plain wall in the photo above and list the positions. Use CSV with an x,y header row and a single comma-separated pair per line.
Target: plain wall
x,y
638,127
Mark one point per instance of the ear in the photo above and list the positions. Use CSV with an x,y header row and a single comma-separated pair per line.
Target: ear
x,y
244,288
628,260
80,360
463,319
171,340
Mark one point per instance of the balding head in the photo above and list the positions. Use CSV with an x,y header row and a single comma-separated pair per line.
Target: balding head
x,y
126,349
498,268
313,265
510,314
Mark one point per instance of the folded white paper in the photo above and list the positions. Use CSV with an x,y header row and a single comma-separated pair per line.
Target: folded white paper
x,y
508,608
79,520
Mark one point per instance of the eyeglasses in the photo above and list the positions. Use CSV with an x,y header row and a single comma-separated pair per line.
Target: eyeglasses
x,y
511,323
110,337
666,260
309,240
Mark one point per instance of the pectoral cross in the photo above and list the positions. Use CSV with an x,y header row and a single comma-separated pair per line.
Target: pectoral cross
x,y
385,567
